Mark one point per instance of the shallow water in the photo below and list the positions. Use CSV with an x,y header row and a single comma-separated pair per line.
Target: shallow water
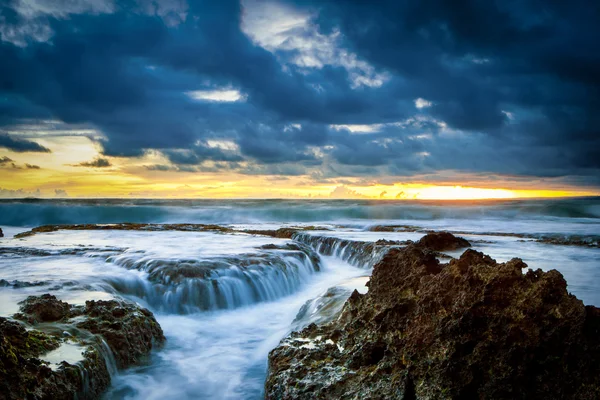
x,y
224,301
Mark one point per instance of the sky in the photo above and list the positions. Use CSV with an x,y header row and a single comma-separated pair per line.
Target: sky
x,y
326,98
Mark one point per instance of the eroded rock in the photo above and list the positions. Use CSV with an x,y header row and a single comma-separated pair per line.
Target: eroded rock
x,y
44,308
469,329
129,331
23,374
443,241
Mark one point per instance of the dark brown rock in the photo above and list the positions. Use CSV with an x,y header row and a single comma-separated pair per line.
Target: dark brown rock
x,y
44,308
443,241
24,375
469,329
130,332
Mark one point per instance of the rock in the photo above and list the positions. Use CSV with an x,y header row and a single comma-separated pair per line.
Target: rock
x,y
126,226
1,233
443,241
393,228
45,308
472,328
281,233
24,375
129,331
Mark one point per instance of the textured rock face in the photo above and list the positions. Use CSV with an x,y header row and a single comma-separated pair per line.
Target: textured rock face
x,y
24,375
443,241
129,331
45,308
469,329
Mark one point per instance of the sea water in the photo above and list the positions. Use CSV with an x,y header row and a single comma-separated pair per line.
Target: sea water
x,y
225,300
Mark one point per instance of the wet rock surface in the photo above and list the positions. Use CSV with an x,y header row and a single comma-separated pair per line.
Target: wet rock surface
x,y
469,329
283,233
108,333
358,253
126,226
45,308
130,331
23,373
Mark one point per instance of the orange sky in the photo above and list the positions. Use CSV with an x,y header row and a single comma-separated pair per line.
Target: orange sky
x,y
130,177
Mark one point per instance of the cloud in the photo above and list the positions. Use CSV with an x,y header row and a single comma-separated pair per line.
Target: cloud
x,y
18,193
30,166
329,89
20,145
343,192
60,193
219,95
4,160
158,167
422,103
96,163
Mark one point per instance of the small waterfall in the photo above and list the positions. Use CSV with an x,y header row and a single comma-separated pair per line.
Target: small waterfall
x,y
188,286
357,253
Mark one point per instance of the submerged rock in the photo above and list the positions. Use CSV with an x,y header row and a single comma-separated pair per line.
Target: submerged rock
x,y
105,333
472,328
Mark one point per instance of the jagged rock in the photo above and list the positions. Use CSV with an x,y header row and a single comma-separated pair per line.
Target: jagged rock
x,y
472,328
129,331
443,241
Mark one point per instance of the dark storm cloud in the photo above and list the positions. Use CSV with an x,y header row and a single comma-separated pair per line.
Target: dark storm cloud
x,y
473,60
19,145
510,87
199,153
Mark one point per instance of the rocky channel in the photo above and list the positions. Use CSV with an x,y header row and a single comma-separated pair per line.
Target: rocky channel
x,y
472,328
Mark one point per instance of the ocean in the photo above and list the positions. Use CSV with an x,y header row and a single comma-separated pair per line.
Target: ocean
x,y
226,298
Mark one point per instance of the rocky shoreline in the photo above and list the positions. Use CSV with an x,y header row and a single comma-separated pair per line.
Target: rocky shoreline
x,y
471,328
97,339
281,233
466,329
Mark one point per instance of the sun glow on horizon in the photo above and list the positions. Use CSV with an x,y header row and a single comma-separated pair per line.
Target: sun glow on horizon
x,y
69,172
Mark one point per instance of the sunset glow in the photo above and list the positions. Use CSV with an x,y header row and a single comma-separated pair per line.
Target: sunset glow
x,y
68,173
